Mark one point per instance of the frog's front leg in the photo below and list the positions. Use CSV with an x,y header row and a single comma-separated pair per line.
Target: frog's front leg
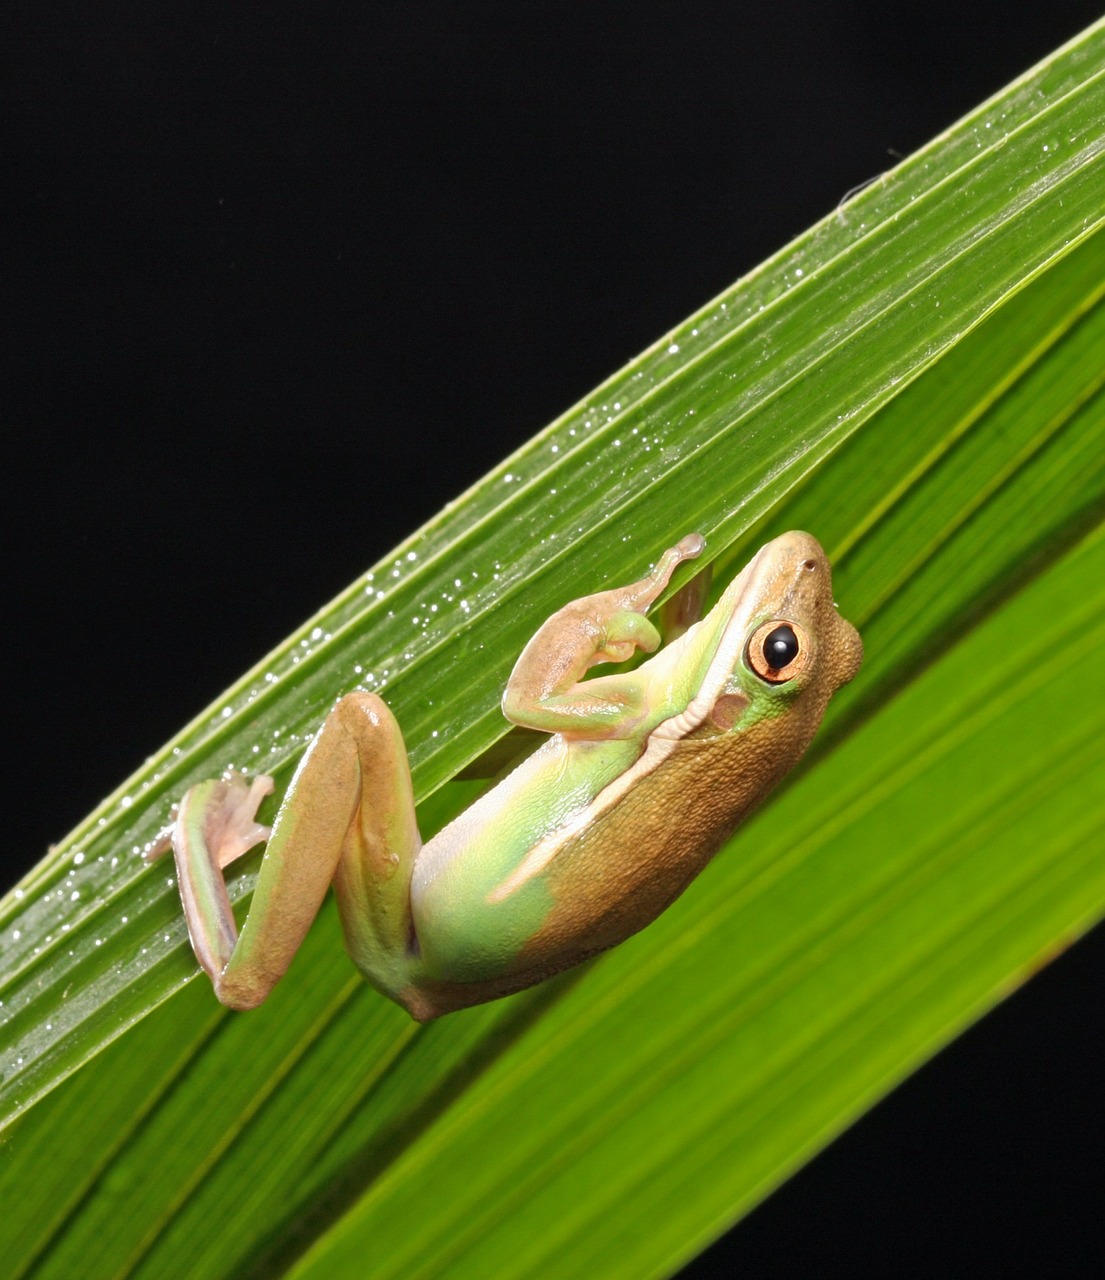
x,y
546,690
348,817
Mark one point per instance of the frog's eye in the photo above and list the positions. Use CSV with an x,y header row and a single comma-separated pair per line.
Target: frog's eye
x,y
778,651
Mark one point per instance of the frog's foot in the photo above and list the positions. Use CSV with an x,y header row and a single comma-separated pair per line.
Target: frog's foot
x,y
231,829
229,810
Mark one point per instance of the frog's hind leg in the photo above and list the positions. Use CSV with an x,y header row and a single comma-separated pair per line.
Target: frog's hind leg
x,y
373,879
348,817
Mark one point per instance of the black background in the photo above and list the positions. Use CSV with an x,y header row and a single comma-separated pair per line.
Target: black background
x,y
279,282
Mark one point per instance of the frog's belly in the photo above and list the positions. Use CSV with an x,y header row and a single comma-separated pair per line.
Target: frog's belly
x,y
607,878
608,869
465,931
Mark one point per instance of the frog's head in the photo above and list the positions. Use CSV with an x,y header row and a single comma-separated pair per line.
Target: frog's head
x,y
793,634
774,643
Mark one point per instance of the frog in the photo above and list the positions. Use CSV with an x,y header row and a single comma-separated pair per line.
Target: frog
x,y
643,774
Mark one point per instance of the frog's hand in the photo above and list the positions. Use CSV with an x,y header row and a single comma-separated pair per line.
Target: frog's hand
x,y
545,690
348,816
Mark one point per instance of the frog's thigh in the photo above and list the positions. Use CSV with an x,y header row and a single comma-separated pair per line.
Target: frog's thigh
x,y
348,808
381,843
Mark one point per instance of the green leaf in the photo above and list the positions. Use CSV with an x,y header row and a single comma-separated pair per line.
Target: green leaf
x,y
918,381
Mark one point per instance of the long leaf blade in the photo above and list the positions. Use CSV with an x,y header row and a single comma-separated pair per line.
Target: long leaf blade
x,y
954,561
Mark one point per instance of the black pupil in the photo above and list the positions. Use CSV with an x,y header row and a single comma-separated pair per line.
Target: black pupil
x,y
781,648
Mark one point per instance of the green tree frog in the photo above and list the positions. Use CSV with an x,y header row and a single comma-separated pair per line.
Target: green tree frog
x,y
643,777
